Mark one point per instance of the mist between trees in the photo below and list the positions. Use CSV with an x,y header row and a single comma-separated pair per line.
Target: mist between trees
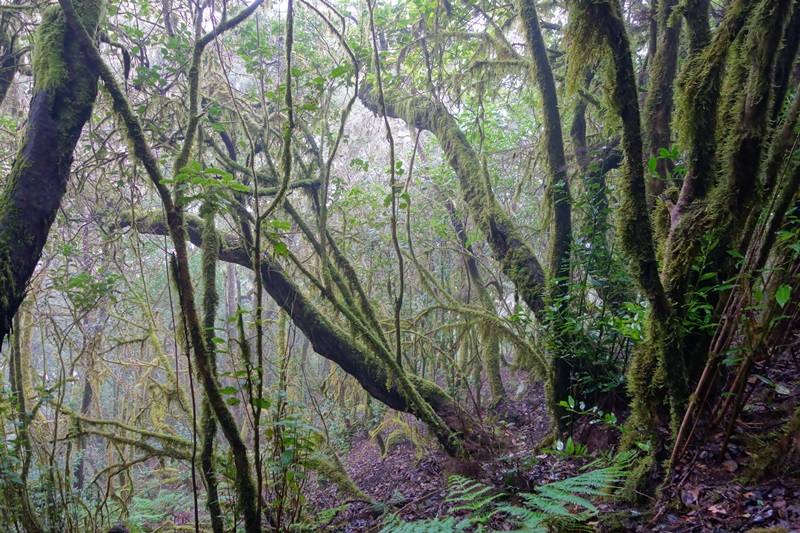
x,y
234,237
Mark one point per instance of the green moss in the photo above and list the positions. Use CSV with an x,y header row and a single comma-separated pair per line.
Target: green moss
x,y
208,422
698,92
211,245
49,67
662,220
332,468
585,41
640,477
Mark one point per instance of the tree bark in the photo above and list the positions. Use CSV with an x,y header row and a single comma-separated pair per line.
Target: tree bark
x,y
659,103
516,257
560,203
64,91
329,340
9,61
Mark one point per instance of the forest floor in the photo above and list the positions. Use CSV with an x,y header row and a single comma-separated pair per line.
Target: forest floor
x,y
708,492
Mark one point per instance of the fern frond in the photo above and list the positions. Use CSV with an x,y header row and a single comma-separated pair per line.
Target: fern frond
x,y
528,520
437,525
469,495
551,504
558,497
593,482
550,508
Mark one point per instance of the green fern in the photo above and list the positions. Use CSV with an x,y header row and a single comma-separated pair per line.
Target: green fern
x,y
437,525
547,509
469,495
561,506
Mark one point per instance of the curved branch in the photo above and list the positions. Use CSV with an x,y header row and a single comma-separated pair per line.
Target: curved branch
x,y
327,339
509,247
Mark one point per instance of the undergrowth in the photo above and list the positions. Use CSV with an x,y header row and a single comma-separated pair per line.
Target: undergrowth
x,y
557,506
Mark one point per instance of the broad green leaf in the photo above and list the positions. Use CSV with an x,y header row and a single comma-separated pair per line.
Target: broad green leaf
x,y
263,403
782,295
281,248
339,71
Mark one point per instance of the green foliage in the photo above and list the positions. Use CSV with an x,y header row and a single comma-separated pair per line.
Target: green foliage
x,y
568,448
699,312
597,342
83,289
295,444
570,405
600,314
550,508
207,184
676,174
148,512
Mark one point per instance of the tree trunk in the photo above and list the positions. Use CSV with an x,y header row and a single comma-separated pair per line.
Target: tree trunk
x,y
560,204
659,103
508,246
208,423
9,61
328,339
489,337
64,91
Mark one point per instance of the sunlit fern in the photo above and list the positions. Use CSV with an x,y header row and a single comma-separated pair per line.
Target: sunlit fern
x,y
561,506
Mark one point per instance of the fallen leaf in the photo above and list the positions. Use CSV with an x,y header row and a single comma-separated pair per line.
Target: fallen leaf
x,y
782,389
690,496
717,509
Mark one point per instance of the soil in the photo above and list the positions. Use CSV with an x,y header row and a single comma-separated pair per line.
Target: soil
x,y
709,491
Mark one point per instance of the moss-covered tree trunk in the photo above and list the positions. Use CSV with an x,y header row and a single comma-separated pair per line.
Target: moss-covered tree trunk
x,y
64,91
560,204
331,341
489,337
19,380
512,252
208,423
659,103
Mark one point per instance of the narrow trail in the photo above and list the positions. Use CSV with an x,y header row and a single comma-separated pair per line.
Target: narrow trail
x,y
709,495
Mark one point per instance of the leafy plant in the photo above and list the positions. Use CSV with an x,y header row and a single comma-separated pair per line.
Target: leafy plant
x,y
570,405
294,444
569,448
550,507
